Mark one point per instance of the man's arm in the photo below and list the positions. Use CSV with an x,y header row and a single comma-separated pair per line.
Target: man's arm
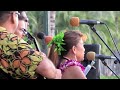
x,y
22,60
47,69
39,62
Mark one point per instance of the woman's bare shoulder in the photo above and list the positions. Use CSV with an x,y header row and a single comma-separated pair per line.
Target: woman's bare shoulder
x,y
74,72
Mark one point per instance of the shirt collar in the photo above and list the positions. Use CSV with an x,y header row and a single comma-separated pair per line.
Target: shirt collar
x,y
2,29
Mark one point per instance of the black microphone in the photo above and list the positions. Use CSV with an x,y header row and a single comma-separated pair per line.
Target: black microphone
x,y
90,22
41,36
75,21
91,56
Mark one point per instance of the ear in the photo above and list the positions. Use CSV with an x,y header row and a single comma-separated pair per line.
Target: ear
x,y
13,18
74,49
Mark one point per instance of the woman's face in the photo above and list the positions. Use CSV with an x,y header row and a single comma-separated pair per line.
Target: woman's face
x,y
19,32
80,51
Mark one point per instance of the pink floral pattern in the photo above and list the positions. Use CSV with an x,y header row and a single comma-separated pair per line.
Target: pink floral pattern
x,y
69,63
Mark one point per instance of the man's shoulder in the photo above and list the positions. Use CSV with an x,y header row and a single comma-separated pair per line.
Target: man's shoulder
x,y
2,29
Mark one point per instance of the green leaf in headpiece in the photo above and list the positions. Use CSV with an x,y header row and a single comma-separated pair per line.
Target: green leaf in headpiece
x,y
58,41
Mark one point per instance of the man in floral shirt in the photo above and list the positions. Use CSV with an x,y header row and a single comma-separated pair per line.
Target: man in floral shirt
x,y
17,58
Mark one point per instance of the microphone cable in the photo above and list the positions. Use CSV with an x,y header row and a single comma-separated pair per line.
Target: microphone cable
x,y
113,42
94,30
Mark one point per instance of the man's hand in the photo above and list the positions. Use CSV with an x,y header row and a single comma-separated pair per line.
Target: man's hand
x,y
58,74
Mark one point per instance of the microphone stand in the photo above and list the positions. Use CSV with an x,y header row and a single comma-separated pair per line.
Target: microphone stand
x,y
94,30
103,61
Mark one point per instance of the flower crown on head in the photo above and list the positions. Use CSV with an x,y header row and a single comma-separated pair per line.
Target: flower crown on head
x,y
58,41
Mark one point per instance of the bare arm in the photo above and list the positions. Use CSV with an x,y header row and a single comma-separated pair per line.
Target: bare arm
x,y
39,62
73,72
48,70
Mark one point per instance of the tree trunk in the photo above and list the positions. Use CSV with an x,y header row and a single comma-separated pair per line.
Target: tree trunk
x,y
51,23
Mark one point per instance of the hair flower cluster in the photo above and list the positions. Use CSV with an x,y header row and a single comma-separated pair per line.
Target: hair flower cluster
x,y
58,41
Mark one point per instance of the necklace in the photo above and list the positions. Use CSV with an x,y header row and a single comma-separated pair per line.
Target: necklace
x,y
66,58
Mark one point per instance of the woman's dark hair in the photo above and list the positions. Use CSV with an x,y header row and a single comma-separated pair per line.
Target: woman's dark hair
x,y
71,38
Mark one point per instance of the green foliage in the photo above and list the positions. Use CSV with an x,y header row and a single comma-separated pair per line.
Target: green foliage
x,y
58,41
108,77
36,19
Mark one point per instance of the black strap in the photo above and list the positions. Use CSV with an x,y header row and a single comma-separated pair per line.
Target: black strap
x,y
65,58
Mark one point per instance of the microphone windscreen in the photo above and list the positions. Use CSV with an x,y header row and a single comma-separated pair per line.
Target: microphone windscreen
x,y
90,55
41,35
48,39
74,21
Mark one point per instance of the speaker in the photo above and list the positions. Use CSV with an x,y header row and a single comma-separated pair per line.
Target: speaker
x,y
94,73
